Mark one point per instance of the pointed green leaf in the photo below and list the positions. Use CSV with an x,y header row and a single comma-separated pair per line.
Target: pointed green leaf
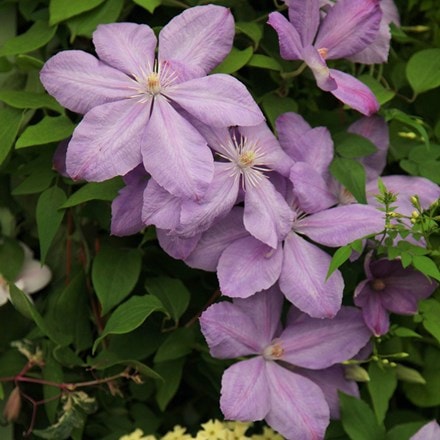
x,y
423,70
179,343
426,266
352,145
430,311
61,10
171,372
235,60
11,258
351,175
338,259
265,62
251,29
10,123
149,5
23,99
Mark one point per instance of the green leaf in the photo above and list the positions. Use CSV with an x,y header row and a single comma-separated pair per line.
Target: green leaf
x,y
403,332
427,266
52,372
234,61
11,258
351,175
404,431
48,217
179,343
382,94
49,129
10,123
25,306
171,372
275,105
86,23
172,293
60,10
149,5
40,179
358,420
264,62
23,100
130,315
106,190
411,121
423,70
382,384
352,145
115,272
251,29
430,311
38,35
338,259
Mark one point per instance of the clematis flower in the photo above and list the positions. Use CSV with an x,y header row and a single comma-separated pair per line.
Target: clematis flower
x,y
430,431
348,27
133,103
32,277
389,288
292,378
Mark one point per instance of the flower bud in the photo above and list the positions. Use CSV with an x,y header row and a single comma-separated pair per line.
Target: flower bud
x,y
13,406
409,375
357,373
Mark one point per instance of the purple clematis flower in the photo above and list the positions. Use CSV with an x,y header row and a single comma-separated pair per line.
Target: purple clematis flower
x,y
134,104
293,378
348,27
431,431
389,288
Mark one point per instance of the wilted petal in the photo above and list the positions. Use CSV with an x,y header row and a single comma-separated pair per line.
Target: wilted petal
x,y
33,276
303,276
218,100
199,38
176,246
373,312
107,142
288,37
304,16
248,266
175,153
127,206
214,241
218,201
331,380
79,81
341,225
319,68
431,431
266,214
245,391
311,190
354,93
349,27
129,47
320,343
298,409
160,208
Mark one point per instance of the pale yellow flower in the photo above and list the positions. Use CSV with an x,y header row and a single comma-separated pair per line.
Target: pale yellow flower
x,y
268,434
137,435
178,433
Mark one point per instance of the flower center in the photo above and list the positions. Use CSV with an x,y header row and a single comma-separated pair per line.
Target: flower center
x,y
378,284
246,159
274,351
153,83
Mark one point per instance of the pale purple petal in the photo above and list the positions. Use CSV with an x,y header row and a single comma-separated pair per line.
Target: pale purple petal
x,y
320,343
288,37
311,190
341,225
175,153
303,276
127,206
199,38
107,142
218,100
431,431
349,27
229,331
264,309
319,67
176,246
331,380
245,391
128,47
248,266
214,241
354,93
304,16
266,214
160,208
79,81
298,409
218,201
375,316
375,129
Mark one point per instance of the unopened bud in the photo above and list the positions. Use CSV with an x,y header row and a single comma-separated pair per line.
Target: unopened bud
x,y
415,214
407,134
415,201
385,361
357,373
13,406
409,375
